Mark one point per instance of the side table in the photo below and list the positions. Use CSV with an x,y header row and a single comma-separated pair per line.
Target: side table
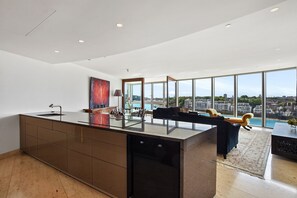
x,y
284,141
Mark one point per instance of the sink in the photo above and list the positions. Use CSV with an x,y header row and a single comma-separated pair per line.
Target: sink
x,y
50,114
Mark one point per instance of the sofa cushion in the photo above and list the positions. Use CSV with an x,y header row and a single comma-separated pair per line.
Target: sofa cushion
x,y
166,113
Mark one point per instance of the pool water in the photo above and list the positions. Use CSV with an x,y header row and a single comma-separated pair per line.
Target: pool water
x,y
269,122
258,121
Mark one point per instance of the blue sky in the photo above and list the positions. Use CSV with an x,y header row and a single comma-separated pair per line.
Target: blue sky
x,y
279,83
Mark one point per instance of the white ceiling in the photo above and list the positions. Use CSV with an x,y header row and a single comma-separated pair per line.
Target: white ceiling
x,y
183,39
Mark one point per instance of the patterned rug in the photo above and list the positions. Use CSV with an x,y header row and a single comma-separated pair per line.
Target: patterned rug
x,y
251,153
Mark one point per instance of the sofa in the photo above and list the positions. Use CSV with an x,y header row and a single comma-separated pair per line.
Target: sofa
x,y
227,133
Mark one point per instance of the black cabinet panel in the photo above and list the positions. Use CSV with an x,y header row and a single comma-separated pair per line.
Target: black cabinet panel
x,y
155,168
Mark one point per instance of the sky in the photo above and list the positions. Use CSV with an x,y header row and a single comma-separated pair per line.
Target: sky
x,y
279,83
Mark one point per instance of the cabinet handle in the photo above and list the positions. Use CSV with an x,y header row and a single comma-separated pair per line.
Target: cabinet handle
x,y
141,142
160,145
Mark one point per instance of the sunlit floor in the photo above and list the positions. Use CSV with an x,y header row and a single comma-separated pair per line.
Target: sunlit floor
x,y
280,181
23,176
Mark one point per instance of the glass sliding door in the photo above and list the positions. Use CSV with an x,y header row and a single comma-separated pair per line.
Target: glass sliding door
x,y
133,90
203,94
280,96
249,99
224,95
171,92
185,94
136,95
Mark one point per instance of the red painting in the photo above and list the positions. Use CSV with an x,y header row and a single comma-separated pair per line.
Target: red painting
x,y
100,119
99,93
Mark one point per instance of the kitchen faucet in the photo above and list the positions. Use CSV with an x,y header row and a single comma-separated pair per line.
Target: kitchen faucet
x,y
52,106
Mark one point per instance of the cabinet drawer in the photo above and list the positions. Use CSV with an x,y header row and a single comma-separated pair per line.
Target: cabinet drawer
x,y
59,126
110,153
106,136
31,130
40,122
56,137
77,141
44,150
110,178
31,145
80,166
59,159
53,154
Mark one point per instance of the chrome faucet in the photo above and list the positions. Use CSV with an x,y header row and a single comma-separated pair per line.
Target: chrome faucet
x,y
52,106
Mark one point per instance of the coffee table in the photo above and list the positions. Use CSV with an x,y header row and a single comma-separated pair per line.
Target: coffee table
x,y
284,141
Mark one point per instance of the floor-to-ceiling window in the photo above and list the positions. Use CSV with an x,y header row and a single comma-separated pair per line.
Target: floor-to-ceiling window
x,y
148,96
185,94
154,95
136,95
249,99
159,99
171,93
280,96
203,94
224,95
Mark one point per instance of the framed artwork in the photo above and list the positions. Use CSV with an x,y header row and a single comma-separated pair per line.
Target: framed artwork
x,y
99,93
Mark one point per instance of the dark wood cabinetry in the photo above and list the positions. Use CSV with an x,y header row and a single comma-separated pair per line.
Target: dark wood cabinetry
x,y
80,166
115,178
95,156
31,145
156,161
22,132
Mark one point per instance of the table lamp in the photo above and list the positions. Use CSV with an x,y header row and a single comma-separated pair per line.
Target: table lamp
x,y
118,93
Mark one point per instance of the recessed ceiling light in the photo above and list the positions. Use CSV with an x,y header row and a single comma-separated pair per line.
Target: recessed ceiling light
x,y
119,25
228,25
274,9
81,41
277,49
57,51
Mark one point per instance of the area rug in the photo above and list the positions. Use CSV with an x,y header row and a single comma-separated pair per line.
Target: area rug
x,y
251,153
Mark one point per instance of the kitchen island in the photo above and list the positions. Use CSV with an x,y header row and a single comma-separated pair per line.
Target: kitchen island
x,y
125,156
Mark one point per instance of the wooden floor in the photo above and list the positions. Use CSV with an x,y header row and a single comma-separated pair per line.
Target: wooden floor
x,y
22,176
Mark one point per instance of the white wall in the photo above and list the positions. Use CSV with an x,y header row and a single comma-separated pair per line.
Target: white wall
x,y
28,85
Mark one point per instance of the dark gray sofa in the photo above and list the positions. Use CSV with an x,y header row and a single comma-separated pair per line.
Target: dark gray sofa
x,y
227,133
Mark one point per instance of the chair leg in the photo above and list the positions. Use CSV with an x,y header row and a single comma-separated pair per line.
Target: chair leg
x,y
225,156
236,146
246,128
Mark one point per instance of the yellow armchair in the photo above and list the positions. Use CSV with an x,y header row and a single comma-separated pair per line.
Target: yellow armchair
x,y
212,112
244,121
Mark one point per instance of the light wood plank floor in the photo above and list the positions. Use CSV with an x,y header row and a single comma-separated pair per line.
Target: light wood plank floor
x,y
22,176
